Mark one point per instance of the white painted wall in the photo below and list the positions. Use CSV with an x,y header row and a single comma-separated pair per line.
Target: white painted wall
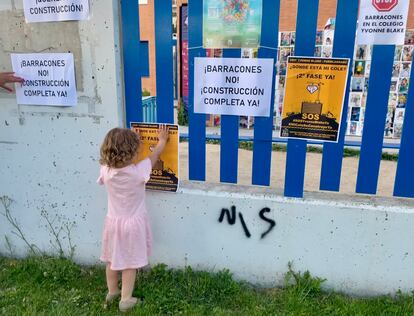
x,y
48,160
48,155
361,245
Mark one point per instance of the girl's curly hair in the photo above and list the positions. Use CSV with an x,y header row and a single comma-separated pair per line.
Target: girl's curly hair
x,y
119,148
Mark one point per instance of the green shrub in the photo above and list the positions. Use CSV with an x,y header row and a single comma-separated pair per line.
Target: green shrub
x,y
182,114
146,93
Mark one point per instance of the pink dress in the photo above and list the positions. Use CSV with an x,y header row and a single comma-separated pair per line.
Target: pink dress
x,y
127,239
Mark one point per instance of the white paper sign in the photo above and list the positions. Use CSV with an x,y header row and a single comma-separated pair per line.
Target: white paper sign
x,y
55,10
233,86
382,22
49,79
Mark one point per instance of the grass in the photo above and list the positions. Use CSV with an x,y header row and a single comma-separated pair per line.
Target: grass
x,y
348,152
53,286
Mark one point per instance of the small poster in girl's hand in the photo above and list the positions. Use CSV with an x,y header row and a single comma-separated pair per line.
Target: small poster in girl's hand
x,y
164,175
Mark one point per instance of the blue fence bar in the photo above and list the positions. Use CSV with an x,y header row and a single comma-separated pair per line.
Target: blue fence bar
x,y
197,122
164,60
306,24
229,138
345,28
375,116
131,54
263,126
404,180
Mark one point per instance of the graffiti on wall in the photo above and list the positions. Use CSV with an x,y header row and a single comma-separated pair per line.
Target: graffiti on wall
x,y
231,215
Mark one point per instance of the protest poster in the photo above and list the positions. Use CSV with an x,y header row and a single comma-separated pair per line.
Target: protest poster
x,y
49,79
232,23
61,10
314,97
164,175
233,86
382,22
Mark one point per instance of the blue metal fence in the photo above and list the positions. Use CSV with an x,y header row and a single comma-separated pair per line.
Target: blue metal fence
x,y
263,126
404,183
345,28
229,145
306,24
375,115
372,141
197,122
131,54
164,61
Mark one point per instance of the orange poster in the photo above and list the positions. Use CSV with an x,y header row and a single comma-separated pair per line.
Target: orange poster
x,y
164,176
314,97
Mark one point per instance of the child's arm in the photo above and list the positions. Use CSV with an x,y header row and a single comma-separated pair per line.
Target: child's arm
x,y
162,141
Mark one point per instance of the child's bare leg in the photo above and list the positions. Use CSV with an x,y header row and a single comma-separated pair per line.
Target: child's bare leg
x,y
128,282
111,280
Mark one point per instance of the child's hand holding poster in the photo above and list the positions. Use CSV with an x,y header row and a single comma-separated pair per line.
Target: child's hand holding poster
x,y
164,176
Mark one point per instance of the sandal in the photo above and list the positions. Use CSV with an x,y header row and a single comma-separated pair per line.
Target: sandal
x,y
111,297
128,304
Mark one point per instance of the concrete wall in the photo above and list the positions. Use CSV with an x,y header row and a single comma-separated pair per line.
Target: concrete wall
x,y
361,245
48,155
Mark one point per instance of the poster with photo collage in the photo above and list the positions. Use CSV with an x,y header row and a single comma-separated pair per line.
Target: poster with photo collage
x,y
398,90
360,79
323,48
286,49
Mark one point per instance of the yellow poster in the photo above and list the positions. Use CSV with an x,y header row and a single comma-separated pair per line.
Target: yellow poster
x,y
164,176
314,97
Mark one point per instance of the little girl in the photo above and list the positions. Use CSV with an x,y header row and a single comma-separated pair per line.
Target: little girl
x,y
127,240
